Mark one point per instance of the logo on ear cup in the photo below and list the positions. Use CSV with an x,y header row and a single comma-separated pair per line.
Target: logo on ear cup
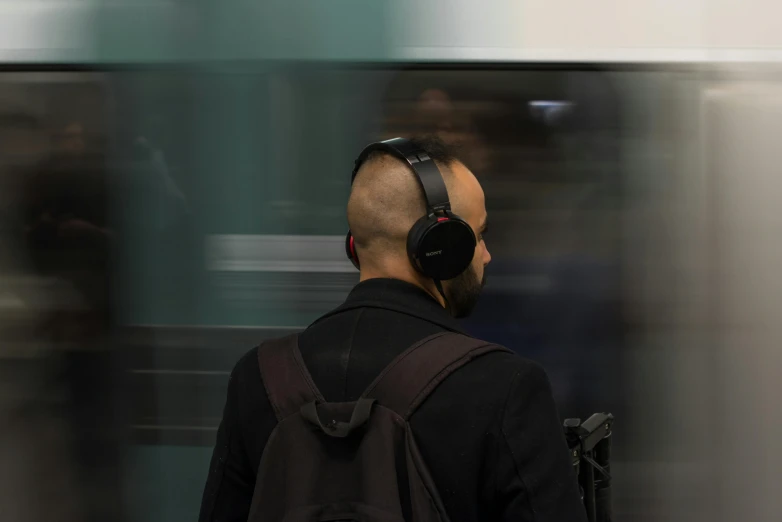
x,y
441,248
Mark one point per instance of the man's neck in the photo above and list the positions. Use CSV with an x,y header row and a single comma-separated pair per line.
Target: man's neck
x,y
427,285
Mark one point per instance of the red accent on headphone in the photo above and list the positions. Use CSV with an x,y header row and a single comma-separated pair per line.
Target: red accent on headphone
x,y
442,219
352,248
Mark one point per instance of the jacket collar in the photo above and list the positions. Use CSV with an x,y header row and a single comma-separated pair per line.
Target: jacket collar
x,y
399,296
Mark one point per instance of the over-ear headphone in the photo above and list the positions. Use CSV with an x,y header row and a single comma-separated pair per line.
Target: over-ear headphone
x,y
440,245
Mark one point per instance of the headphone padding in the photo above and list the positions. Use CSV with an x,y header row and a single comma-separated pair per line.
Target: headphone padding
x,y
350,249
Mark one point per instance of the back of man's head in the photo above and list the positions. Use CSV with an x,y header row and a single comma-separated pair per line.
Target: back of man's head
x,y
387,199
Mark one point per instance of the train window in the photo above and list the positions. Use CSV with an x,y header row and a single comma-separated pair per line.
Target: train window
x,y
261,157
225,204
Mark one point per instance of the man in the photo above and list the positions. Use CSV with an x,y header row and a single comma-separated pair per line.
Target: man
x,y
489,433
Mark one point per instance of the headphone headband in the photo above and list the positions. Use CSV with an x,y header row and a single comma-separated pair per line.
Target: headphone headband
x,y
423,166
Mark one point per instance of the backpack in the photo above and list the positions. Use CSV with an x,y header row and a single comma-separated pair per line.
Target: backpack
x,y
354,461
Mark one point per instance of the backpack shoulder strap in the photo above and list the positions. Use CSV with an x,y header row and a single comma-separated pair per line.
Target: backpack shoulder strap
x,y
416,372
288,383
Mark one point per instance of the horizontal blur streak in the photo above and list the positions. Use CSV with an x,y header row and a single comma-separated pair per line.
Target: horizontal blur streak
x,y
156,223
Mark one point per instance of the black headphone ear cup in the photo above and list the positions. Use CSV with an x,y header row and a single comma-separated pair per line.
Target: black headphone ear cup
x,y
441,248
414,239
350,250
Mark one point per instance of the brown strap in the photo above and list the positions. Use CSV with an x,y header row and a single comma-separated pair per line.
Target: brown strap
x,y
288,383
416,372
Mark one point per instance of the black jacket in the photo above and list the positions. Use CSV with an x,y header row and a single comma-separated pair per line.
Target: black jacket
x,y
489,433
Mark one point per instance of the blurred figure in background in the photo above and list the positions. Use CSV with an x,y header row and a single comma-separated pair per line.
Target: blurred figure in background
x,y
59,228
434,112
37,472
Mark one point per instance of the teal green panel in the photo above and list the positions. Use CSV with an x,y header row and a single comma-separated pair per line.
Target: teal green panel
x,y
235,174
166,482
241,30
255,150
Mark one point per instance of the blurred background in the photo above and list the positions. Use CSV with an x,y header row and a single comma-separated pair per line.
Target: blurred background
x,y
173,181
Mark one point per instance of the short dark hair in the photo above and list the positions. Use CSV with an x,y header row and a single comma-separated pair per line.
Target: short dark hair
x,y
436,148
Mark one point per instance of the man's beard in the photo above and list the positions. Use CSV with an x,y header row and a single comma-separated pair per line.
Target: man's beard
x,y
463,293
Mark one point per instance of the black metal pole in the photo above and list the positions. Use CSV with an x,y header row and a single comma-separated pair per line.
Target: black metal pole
x,y
587,480
590,445
603,481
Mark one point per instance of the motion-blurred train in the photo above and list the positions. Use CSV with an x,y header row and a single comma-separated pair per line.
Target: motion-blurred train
x,y
632,194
